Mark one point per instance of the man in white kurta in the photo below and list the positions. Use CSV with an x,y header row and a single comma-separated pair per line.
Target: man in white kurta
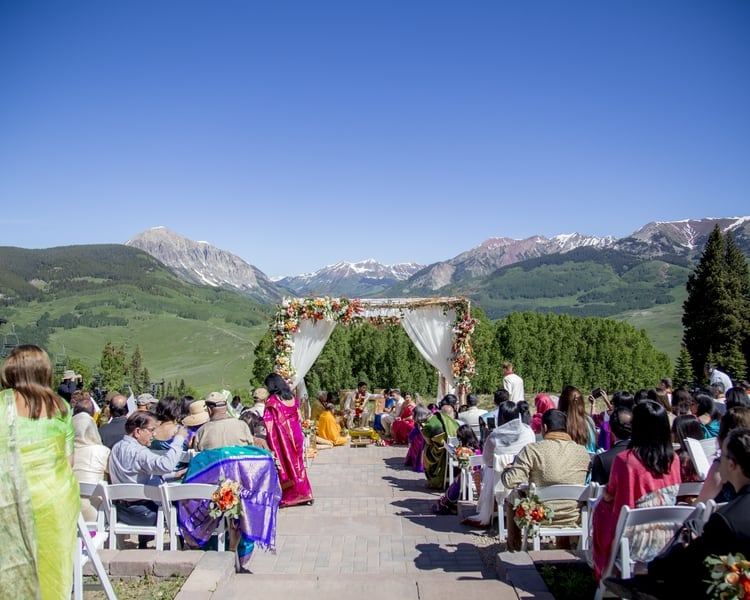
x,y
512,383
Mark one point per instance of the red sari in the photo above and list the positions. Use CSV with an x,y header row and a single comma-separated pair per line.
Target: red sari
x,y
402,426
286,440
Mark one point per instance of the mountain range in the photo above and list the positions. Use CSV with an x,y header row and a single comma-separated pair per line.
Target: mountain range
x,y
675,242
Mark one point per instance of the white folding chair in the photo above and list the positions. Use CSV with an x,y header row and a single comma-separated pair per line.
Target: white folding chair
x,y
88,544
450,461
500,461
577,493
173,493
132,492
468,489
620,555
93,491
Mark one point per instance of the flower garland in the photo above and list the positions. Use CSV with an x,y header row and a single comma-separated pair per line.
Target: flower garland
x,y
293,310
464,365
529,512
225,501
730,576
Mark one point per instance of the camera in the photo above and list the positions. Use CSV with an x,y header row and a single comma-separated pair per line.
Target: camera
x,y
597,393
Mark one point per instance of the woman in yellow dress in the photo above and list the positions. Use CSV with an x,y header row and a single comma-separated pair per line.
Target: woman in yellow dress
x,y
40,438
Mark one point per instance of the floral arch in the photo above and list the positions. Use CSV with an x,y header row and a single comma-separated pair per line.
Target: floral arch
x,y
440,328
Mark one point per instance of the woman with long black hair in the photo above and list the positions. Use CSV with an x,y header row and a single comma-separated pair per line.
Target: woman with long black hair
x,y
646,474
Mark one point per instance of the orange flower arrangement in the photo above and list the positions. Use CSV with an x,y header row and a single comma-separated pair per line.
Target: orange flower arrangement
x,y
225,501
530,512
730,576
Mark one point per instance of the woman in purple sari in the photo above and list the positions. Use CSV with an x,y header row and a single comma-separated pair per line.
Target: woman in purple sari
x,y
287,442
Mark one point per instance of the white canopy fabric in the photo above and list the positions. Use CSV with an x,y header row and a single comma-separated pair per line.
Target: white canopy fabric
x,y
427,322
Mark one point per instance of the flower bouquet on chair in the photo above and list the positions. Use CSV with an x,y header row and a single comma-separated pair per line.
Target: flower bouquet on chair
x,y
529,512
463,456
730,576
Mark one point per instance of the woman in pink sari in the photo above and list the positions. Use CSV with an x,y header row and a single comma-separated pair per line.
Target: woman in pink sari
x,y
286,440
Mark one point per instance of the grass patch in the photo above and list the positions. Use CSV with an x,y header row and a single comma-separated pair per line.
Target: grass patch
x,y
146,588
568,581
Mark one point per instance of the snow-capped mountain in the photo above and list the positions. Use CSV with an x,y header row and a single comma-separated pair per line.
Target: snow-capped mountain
x,y
364,278
204,264
495,253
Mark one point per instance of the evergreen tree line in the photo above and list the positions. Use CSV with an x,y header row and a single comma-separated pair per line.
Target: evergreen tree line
x,y
549,351
716,313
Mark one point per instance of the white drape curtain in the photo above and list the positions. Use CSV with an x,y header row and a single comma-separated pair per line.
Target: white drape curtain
x,y
308,344
431,330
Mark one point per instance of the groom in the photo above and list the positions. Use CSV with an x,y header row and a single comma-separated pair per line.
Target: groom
x,y
356,408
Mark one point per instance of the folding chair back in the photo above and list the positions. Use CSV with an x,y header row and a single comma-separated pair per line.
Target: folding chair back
x,y
132,492
577,493
620,556
177,492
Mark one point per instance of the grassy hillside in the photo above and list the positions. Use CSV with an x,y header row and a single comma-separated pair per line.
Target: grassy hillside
x,y
74,300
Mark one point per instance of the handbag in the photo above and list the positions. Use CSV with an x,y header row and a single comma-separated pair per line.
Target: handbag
x,y
685,534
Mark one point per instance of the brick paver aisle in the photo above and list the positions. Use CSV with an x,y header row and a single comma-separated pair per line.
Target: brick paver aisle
x,y
370,531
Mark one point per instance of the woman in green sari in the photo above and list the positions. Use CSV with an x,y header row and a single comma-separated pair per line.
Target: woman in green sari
x,y
36,440
436,431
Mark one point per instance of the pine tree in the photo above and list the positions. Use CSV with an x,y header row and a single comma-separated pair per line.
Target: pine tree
x,y
135,371
706,295
112,365
716,315
683,372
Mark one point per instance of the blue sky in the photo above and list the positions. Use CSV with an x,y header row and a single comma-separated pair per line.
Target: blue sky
x,y
298,134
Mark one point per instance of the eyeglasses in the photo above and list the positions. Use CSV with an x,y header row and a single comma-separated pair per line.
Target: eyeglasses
x,y
151,430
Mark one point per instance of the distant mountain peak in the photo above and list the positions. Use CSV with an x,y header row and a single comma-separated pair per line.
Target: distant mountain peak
x,y
204,264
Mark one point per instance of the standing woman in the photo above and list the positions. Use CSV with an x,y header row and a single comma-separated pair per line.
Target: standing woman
x,y
581,427
37,441
286,440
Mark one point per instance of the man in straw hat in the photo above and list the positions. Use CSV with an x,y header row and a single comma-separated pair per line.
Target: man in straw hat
x,y
70,383
196,419
222,429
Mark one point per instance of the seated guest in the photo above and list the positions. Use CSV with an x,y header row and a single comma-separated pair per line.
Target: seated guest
x,y
646,474
619,435
415,451
403,426
489,420
682,573
70,383
683,427
389,418
257,428
222,428
705,411
145,402
131,461
619,398
542,403
196,418
167,412
436,431
448,502
90,458
328,429
714,487
471,415
113,431
390,402
260,395
509,437
557,459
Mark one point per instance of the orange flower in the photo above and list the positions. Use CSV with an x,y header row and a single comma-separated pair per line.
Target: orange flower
x,y
520,512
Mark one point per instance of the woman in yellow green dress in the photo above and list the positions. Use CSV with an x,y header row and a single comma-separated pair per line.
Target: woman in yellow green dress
x,y
37,441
